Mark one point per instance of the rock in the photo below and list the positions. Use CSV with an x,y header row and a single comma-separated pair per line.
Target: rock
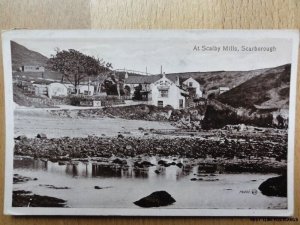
x,y
275,186
27,199
212,180
120,136
241,127
119,161
53,187
193,179
21,179
62,163
162,162
156,199
97,187
141,129
157,172
180,165
21,137
41,136
143,164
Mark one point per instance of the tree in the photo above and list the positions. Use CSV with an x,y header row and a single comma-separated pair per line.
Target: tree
x,y
76,66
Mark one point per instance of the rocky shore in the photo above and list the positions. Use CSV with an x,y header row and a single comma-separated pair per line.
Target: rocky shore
x,y
230,153
21,198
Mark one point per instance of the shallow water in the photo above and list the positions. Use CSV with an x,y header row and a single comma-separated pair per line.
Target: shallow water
x,y
122,186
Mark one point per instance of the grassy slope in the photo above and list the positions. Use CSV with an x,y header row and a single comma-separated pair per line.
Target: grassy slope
x,y
269,89
23,56
210,80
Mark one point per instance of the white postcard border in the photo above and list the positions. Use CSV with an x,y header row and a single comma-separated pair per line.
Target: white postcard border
x,y
90,34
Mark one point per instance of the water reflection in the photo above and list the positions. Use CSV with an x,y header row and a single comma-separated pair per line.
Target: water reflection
x,y
107,170
29,163
72,170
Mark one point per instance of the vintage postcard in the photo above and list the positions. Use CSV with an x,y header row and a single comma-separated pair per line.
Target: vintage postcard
x,y
150,122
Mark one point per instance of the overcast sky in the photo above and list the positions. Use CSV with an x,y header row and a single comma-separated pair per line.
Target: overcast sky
x,y
175,55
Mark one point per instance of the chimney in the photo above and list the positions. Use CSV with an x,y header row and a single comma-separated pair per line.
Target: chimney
x,y
177,81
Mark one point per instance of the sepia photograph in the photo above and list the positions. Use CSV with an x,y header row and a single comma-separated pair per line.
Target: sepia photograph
x,y
149,122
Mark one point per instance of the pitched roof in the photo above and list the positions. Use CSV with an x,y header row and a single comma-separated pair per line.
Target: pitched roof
x,y
142,79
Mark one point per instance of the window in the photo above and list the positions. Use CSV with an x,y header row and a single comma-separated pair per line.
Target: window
x,y
87,92
190,84
180,103
160,104
164,93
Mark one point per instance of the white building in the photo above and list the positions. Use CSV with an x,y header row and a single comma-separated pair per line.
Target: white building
x,y
30,68
57,89
193,86
165,92
143,82
85,90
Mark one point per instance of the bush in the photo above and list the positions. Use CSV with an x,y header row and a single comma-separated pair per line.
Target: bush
x,y
76,99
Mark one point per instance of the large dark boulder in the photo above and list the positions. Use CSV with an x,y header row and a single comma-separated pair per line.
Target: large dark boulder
x,y
156,199
275,186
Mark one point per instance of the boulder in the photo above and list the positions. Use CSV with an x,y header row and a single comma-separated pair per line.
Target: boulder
x,y
119,161
143,164
275,186
41,136
162,162
156,199
180,165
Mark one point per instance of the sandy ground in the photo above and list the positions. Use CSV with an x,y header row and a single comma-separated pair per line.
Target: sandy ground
x,y
30,122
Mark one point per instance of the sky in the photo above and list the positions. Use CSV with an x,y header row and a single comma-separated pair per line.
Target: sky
x,y
174,55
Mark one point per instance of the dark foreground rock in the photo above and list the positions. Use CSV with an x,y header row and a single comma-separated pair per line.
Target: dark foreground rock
x,y
156,199
27,199
275,186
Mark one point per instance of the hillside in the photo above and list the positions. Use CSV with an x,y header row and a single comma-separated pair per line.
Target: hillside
x,y
265,91
213,80
23,56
